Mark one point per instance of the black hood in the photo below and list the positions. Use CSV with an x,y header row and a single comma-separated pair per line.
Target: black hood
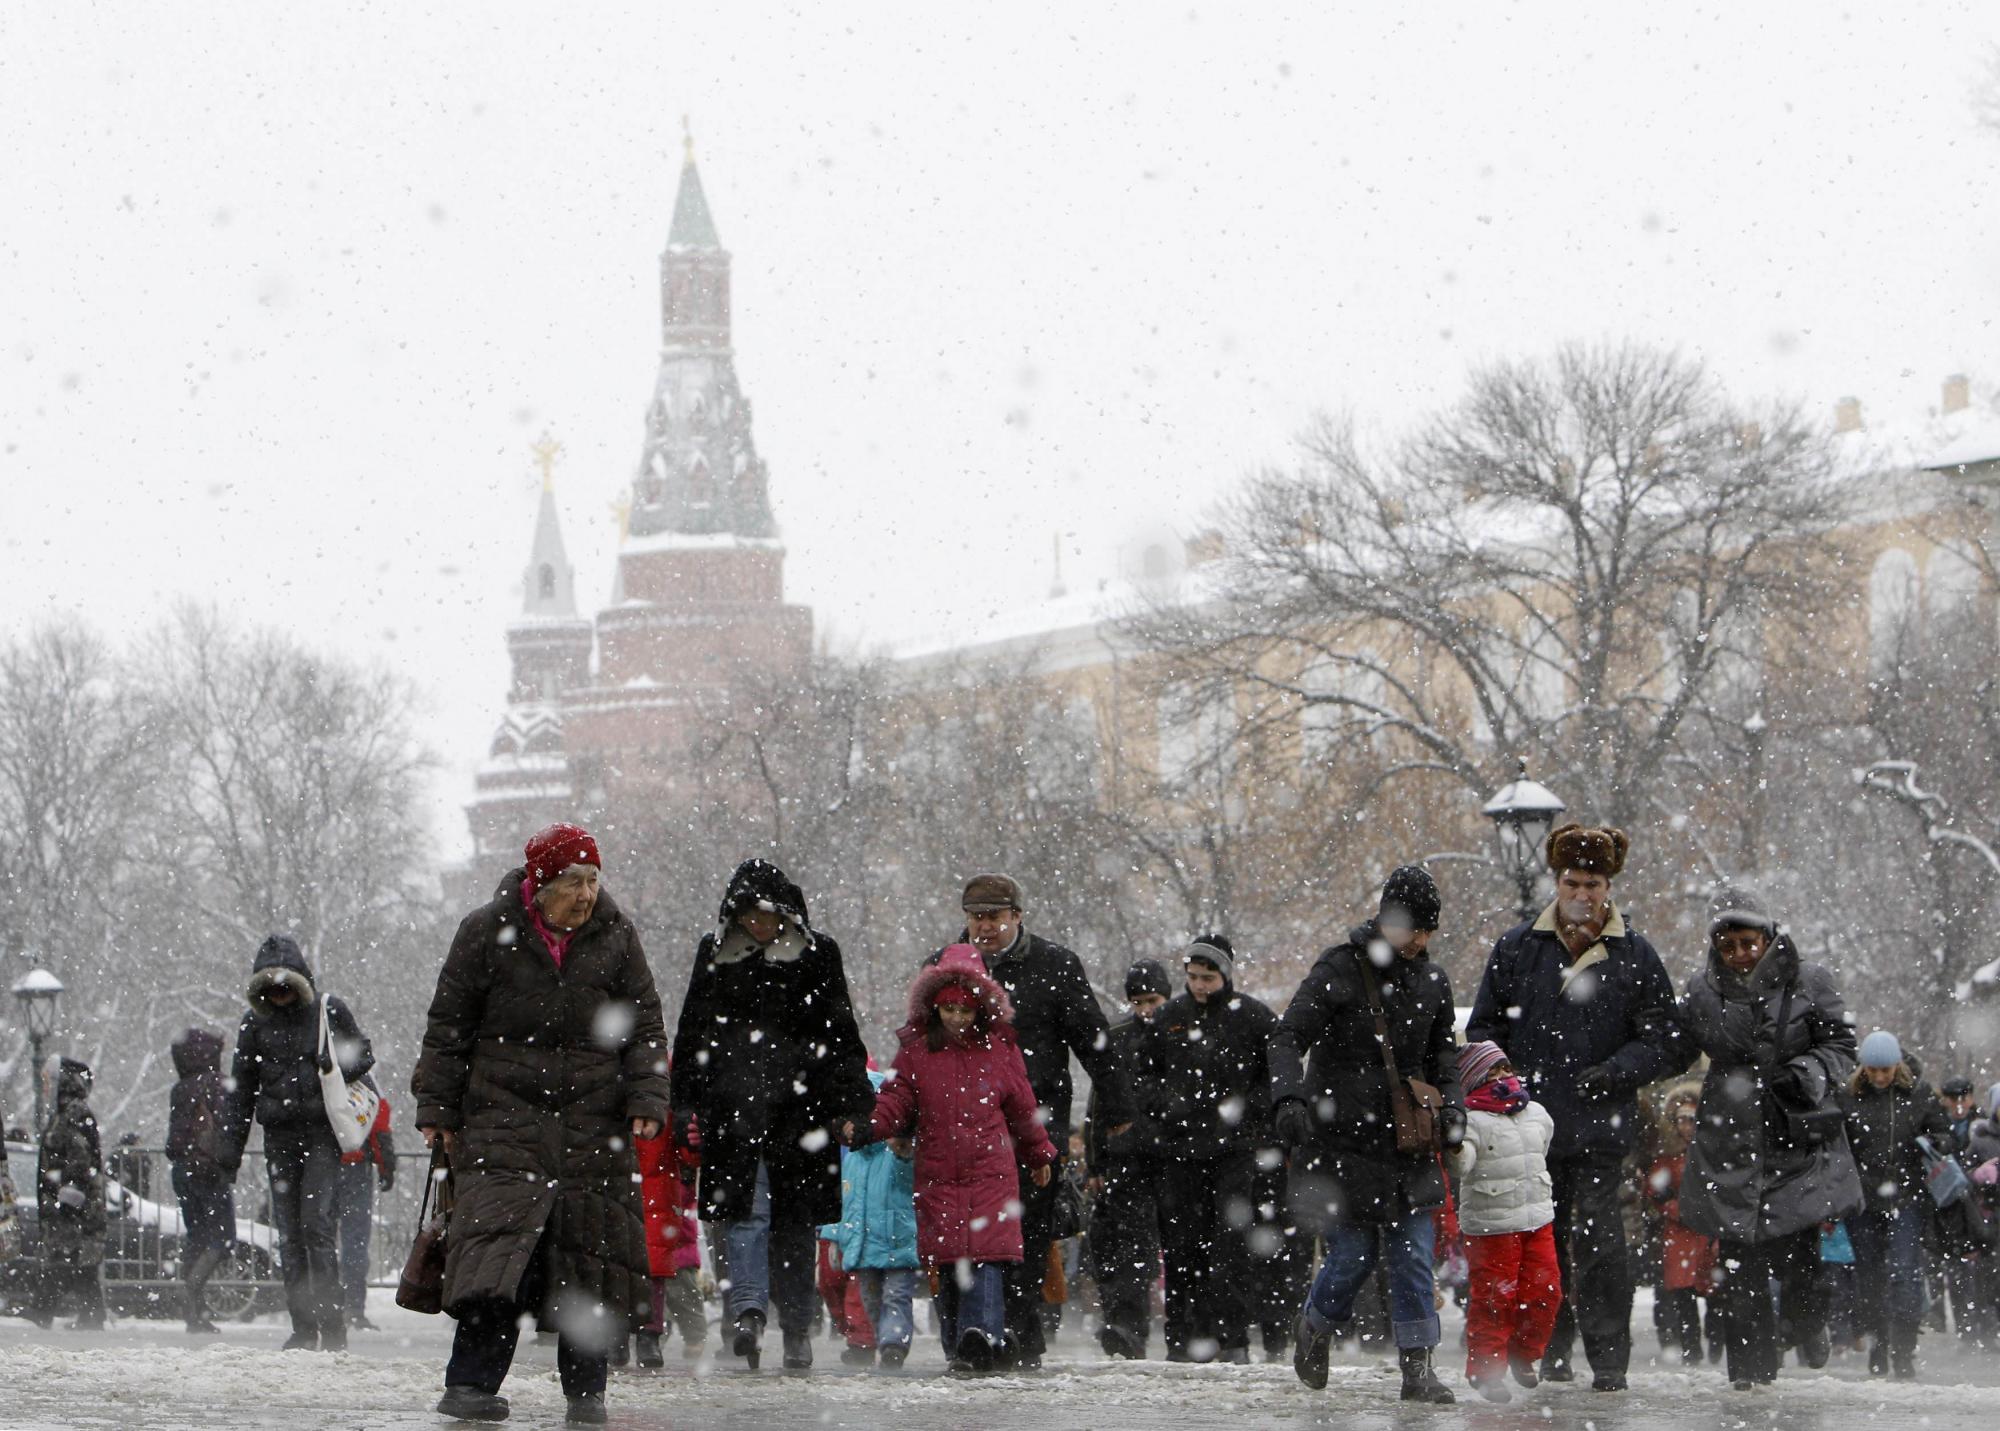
x,y
73,1080
280,961
197,1051
759,884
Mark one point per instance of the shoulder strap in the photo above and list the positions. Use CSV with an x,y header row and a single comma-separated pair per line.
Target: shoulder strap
x,y
1369,987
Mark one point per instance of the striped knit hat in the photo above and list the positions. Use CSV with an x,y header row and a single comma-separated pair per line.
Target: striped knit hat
x,y
1476,1060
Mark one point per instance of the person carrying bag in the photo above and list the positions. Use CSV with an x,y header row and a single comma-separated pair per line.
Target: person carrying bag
x,y
421,1287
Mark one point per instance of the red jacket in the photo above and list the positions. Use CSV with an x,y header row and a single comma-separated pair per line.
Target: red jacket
x,y
1687,1259
673,1242
974,1116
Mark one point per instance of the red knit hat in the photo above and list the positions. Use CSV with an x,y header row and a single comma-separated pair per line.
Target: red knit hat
x,y
955,994
554,850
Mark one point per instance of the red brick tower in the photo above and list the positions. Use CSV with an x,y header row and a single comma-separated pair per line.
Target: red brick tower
x,y
699,595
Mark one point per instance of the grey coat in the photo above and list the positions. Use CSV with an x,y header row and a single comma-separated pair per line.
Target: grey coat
x,y
1747,1178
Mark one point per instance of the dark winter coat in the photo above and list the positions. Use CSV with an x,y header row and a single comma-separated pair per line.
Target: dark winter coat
x,y
70,1184
973,1112
198,1106
274,1075
1208,1067
1883,1125
540,1070
1055,1015
1616,1009
1141,1142
768,1058
1325,1055
1747,1177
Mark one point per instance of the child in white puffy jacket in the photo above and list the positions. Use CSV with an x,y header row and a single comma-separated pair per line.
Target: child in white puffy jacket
x,y
1506,1210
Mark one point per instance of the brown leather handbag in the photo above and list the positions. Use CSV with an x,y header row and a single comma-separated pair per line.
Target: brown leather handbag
x,y
1413,1102
421,1287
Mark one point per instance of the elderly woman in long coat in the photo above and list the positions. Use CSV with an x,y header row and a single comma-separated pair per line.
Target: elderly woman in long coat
x,y
544,1057
1770,1160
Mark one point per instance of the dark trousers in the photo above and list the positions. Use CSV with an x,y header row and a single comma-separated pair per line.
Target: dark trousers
x,y
1752,1326
490,1327
1023,1280
1681,1310
357,1222
304,1164
1205,1216
1889,1272
1596,1270
208,1209
66,1279
1125,1246
1281,1260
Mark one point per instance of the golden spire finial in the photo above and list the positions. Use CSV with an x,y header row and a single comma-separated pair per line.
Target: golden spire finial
x,y
546,451
687,141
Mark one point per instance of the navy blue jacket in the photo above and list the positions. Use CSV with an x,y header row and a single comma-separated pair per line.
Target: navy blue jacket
x,y
1617,1011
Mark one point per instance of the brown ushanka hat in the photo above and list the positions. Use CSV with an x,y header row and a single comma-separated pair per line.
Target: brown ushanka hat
x,y
1578,847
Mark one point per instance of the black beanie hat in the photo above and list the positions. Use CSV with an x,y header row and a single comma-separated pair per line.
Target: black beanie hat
x,y
1148,976
1411,889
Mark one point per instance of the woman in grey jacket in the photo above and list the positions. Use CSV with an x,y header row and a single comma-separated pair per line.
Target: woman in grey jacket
x,y
1770,1160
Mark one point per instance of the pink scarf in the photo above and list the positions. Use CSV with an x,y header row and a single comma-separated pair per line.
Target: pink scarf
x,y
558,943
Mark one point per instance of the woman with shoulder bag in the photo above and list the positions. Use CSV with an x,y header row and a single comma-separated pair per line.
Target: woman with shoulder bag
x,y
1770,1160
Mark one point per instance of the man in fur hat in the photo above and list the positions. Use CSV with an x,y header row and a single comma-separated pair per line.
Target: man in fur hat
x,y
1585,1011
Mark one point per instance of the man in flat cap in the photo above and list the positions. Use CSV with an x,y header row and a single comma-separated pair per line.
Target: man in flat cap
x,y
1585,1010
1055,1015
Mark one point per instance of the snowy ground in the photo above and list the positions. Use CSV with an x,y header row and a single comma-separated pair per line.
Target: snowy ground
x,y
150,1374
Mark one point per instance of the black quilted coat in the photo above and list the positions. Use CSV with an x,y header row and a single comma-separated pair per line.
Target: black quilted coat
x,y
540,1070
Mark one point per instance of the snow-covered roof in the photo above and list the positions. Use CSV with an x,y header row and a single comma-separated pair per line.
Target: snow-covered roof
x,y
699,542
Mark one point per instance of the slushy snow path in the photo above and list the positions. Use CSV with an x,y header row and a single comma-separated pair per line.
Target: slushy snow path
x,y
151,1375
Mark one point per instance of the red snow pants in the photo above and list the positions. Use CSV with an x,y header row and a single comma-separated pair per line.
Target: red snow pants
x,y
1513,1289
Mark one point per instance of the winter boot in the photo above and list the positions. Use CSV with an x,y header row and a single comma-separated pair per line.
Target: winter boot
x,y
1234,1356
1420,1382
748,1337
1309,1352
198,1272
857,1356
649,1351
1815,1347
1878,1357
893,1357
1491,1384
1524,1371
1608,1381
1556,1368
1903,1354
976,1351
620,1355
467,1403
798,1352
1120,1345
586,1410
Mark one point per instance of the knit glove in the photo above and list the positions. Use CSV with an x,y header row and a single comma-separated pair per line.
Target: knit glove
x,y
1451,1126
1292,1124
1597,1084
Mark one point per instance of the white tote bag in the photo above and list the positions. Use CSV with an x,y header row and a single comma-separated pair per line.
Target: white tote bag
x,y
350,1107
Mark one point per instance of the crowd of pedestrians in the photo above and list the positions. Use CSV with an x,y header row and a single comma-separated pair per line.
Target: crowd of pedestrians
x,y
1251,1179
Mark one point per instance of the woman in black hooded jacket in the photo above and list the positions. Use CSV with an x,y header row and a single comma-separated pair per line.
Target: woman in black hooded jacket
x,y
767,1060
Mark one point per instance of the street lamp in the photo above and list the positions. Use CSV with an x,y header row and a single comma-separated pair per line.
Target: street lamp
x,y
1523,813
38,991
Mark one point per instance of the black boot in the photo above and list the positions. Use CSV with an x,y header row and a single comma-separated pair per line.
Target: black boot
x,y
1524,1371
798,1351
748,1337
1420,1382
586,1409
1878,1357
1903,1354
1309,1352
198,1272
648,1353
466,1403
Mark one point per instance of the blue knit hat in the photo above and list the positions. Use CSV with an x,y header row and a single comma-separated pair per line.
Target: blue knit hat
x,y
1880,1050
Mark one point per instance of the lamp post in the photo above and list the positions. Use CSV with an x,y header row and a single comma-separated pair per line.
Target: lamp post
x,y
38,991
1523,812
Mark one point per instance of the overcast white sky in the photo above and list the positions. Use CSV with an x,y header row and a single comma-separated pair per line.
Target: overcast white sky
x,y
286,291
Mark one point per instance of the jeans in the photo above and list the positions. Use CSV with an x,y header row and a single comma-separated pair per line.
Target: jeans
x,y
769,1251
1750,1323
1889,1272
489,1328
886,1294
304,1164
1205,1214
1596,1271
357,1219
973,1296
1351,1252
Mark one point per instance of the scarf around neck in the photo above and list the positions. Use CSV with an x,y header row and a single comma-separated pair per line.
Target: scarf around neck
x,y
1505,1096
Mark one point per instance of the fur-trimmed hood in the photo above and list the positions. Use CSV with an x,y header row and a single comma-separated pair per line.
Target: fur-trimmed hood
x,y
759,884
960,964
280,961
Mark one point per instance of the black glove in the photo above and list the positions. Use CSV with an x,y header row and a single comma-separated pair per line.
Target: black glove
x,y
1597,1084
1451,1126
1789,1085
1292,1124
385,1173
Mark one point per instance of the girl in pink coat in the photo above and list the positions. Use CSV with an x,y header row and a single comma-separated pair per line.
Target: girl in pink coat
x,y
959,1083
